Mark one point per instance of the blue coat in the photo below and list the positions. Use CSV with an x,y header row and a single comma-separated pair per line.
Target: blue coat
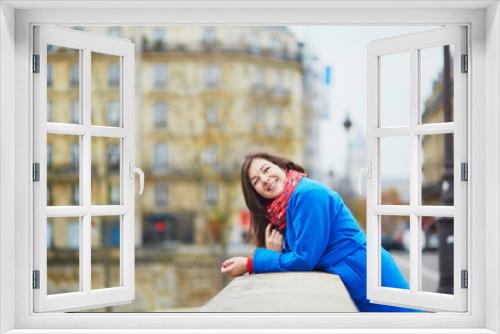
x,y
323,235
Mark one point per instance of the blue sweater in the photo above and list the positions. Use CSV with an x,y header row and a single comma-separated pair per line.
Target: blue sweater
x,y
322,234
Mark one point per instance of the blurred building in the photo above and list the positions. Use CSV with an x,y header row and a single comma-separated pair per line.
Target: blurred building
x,y
204,96
316,80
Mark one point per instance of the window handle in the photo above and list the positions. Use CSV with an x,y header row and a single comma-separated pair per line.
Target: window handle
x,y
364,171
135,170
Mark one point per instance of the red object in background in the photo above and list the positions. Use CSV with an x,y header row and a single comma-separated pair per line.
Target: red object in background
x,y
427,222
160,226
245,220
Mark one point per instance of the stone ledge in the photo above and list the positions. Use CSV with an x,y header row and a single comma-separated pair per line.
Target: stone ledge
x,y
283,292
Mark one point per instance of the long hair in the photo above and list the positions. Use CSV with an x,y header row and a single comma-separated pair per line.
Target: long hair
x,y
255,202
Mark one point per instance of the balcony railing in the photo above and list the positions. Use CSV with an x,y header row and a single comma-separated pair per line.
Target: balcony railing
x,y
207,47
283,292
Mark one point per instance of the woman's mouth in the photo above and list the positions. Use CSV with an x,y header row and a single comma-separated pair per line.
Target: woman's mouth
x,y
272,186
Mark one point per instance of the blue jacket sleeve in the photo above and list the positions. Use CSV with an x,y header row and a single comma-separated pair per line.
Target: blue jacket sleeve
x,y
311,224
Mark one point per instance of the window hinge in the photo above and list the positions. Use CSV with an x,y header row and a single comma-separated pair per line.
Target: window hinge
x,y
36,63
464,279
36,279
36,172
464,171
465,64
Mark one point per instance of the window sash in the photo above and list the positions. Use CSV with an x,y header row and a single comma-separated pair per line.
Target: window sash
x,y
86,297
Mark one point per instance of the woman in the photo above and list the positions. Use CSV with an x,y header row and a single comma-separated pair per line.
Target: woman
x,y
301,225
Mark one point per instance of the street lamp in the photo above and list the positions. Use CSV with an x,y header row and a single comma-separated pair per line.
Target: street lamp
x,y
347,126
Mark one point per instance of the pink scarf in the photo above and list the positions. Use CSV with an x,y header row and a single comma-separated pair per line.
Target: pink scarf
x,y
276,210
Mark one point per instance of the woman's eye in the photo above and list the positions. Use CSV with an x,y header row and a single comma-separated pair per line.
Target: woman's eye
x,y
266,169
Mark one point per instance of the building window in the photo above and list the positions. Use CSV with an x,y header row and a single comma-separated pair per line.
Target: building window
x,y
209,155
75,112
159,75
276,46
254,42
212,114
211,194
278,80
113,113
113,75
75,156
50,75
73,235
160,156
113,153
212,75
160,115
208,36
259,118
161,195
50,236
74,75
50,111
277,119
50,154
115,31
259,76
75,194
159,37
114,194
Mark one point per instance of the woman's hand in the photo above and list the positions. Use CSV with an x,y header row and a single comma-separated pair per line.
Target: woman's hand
x,y
235,266
274,239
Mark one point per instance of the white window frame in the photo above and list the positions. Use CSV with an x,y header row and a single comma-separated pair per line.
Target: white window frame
x,y
483,16
81,156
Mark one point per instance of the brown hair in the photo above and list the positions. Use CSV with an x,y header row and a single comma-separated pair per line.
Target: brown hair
x,y
256,203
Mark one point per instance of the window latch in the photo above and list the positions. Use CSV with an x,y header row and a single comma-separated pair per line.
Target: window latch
x,y
135,170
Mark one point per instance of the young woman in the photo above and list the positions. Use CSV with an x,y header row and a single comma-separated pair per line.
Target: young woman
x,y
301,225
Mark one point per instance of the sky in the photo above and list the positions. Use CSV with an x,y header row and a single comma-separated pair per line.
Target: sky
x,y
344,49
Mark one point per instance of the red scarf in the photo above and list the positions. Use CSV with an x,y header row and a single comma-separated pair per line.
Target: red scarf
x,y
276,210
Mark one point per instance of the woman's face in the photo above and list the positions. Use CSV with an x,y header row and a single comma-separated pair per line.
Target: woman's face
x,y
266,178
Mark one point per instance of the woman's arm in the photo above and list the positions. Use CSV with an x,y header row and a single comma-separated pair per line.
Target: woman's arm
x,y
311,225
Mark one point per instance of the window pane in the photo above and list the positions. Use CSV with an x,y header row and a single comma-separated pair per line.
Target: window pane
x,y
395,237
437,169
106,76
436,84
63,84
63,247
160,114
395,90
105,263
106,164
437,254
63,166
395,170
